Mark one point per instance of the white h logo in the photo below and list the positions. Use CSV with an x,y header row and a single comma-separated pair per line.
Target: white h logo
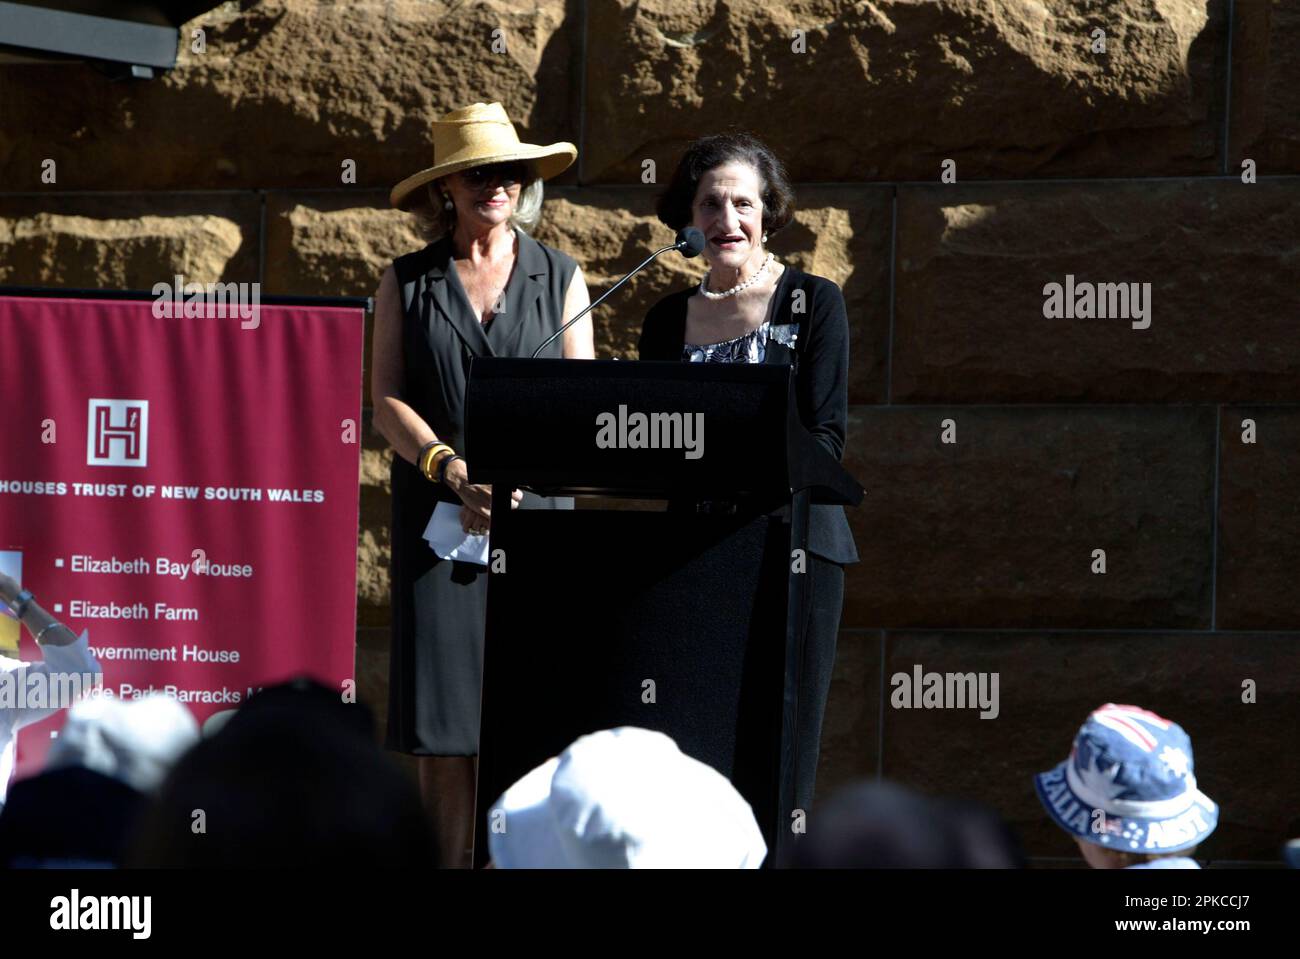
x,y
117,433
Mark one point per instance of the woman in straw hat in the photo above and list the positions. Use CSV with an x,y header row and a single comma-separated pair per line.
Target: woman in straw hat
x,y
481,287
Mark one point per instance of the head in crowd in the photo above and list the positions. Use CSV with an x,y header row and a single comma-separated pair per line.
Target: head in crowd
x,y
1127,794
136,742
881,825
736,192
293,779
109,757
624,798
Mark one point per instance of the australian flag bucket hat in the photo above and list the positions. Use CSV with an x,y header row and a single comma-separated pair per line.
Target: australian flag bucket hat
x,y
1129,785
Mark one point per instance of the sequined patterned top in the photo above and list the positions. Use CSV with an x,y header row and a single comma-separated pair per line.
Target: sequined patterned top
x,y
750,348
814,306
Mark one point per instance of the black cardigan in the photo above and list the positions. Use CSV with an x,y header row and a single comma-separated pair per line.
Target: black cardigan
x,y
821,358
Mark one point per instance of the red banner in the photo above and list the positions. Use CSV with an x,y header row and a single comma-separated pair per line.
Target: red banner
x,y
184,488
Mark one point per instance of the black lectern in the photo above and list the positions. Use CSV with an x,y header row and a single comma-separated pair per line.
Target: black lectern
x,y
688,620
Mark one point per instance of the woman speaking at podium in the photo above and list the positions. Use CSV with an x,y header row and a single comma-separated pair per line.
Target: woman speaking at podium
x,y
749,308
481,287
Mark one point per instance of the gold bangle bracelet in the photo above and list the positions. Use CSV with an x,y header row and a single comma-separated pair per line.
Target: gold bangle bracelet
x,y
426,464
436,463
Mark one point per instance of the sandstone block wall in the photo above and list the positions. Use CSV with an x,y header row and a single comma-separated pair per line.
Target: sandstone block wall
x,y
1071,434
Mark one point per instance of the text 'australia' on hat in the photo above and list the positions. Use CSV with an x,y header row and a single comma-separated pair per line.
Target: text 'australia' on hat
x,y
476,135
1129,785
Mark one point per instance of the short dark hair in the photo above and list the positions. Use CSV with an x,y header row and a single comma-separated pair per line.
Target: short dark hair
x,y
707,153
872,824
296,780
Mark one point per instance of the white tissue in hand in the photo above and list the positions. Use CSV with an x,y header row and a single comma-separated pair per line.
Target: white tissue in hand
x,y
448,539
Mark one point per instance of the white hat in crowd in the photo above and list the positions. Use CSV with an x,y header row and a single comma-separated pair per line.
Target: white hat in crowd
x,y
135,742
624,798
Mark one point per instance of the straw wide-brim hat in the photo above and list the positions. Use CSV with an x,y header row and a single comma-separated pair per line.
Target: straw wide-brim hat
x,y
479,134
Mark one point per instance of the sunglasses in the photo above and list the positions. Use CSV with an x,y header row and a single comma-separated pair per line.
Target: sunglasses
x,y
507,174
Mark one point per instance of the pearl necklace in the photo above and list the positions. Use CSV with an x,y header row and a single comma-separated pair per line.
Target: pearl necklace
x,y
704,282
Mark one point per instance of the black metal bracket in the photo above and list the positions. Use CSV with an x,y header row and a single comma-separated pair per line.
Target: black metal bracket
x,y
139,47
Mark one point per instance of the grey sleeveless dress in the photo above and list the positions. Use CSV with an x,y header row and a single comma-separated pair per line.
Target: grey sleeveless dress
x,y
439,606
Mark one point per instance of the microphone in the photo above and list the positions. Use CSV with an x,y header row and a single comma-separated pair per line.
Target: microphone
x,y
690,243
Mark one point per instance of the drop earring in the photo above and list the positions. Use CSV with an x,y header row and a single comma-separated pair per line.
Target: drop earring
x,y
448,205
764,237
